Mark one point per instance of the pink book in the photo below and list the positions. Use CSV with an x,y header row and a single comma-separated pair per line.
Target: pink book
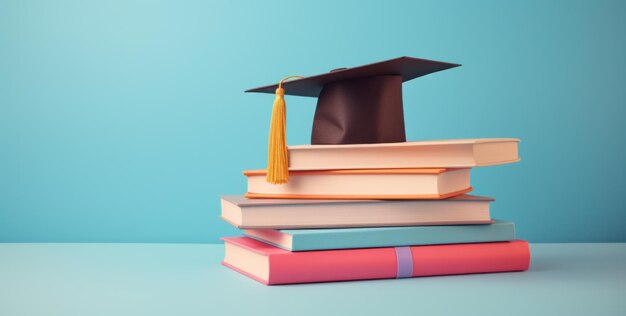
x,y
272,265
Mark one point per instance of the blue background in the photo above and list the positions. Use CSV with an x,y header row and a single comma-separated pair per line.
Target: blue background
x,y
123,121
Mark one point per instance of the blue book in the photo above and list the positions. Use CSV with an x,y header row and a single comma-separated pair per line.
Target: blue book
x,y
348,238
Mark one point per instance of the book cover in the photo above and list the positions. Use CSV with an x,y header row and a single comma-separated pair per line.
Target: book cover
x,y
272,265
348,238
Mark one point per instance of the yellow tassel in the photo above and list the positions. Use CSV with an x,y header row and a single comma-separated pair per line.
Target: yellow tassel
x,y
277,157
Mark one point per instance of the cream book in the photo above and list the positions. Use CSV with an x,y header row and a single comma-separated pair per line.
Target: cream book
x,y
284,214
457,153
363,184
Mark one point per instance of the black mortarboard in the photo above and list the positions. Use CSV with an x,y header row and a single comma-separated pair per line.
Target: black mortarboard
x,y
359,105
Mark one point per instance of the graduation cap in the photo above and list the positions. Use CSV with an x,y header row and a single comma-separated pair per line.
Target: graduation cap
x,y
359,105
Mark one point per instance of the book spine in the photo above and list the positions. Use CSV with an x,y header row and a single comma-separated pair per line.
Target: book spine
x,y
381,263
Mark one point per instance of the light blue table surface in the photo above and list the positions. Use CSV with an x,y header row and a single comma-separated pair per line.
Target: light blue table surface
x,y
187,279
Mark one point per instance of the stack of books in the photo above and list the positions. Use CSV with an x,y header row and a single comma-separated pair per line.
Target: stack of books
x,y
373,211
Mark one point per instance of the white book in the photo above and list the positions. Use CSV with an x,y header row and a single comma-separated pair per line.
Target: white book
x,y
363,184
458,153
284,214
